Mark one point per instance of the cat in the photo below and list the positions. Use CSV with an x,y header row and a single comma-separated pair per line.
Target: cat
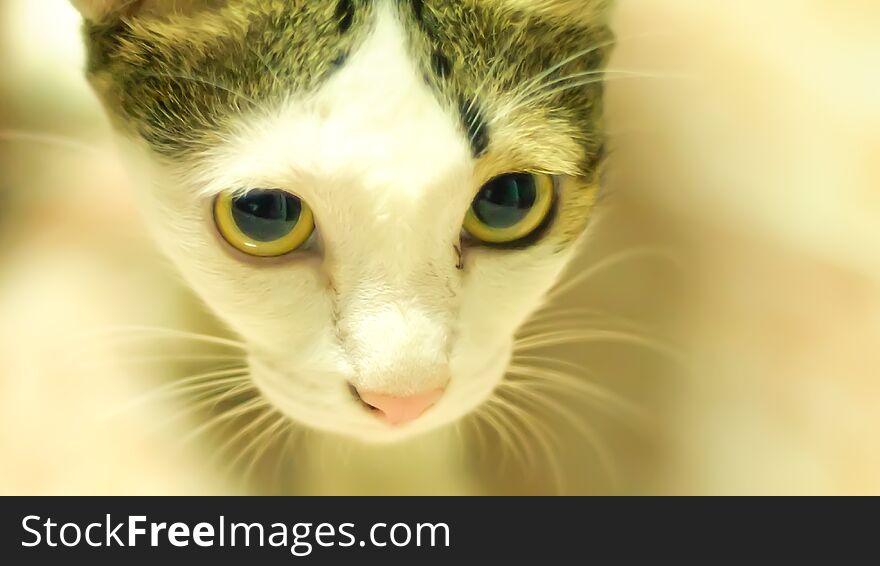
x,y
374,195
779,300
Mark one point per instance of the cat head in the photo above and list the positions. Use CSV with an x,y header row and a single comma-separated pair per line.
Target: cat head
x,y
375,195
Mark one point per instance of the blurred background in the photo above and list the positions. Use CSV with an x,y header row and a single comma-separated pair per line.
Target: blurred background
x,y
723,318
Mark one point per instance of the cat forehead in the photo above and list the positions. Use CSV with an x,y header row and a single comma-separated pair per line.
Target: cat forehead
x,y
374,124
182,81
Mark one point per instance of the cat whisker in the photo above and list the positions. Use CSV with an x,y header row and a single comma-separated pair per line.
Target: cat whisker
x,y
507,428
491,417
572,321
200,80
517,103
551,361
604,457
646,252
265,414
520,97
257,403
476,421
243,389
551,314
582,312
529,84
281,457
203,391
166,333
166,359
208,399
271,435
258,444
604,77
547,441
50,139
581,54
520,435
602,73
526,94
214,379
603,398
559,338
573,325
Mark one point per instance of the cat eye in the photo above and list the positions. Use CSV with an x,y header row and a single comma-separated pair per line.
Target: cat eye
x,y
511,207
264,223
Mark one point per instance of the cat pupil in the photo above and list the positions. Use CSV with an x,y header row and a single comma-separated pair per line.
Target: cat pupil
x,y
506,201
266,215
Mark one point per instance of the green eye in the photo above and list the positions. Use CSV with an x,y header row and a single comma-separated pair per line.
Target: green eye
x,y
510,207
264,223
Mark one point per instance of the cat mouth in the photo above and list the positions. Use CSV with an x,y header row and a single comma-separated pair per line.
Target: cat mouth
x,y
350,413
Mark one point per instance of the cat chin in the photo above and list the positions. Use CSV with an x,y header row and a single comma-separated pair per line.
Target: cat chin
x,y
333,410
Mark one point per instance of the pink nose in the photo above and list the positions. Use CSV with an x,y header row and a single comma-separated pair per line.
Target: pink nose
x,y
401,410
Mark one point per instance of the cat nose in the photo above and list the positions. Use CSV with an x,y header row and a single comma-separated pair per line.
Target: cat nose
x,y
398,410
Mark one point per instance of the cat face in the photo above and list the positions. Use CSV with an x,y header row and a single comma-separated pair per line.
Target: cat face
x,y
374,194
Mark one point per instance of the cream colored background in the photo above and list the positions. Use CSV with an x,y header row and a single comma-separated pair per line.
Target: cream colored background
x,y
749,150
